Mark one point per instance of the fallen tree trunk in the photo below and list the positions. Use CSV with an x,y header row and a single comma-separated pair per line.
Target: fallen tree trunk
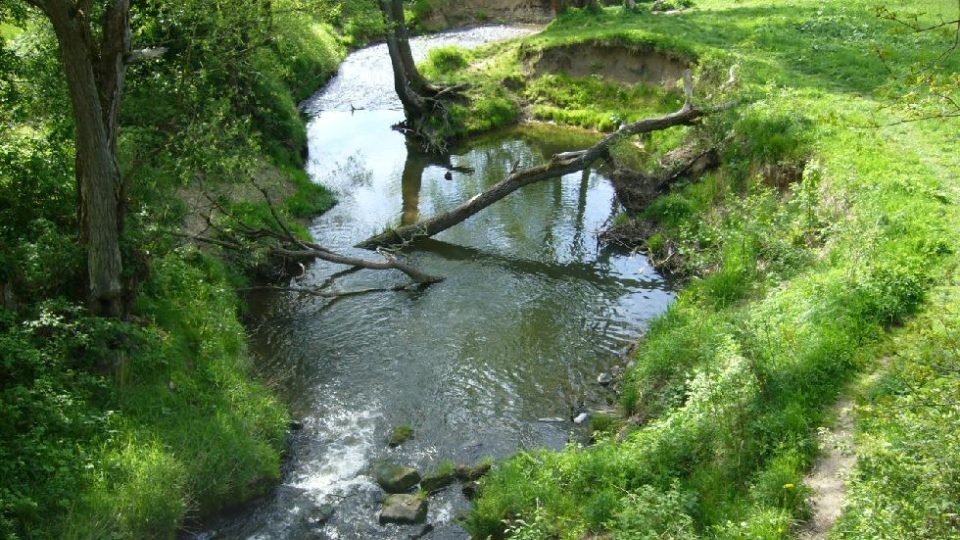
x,y
559,165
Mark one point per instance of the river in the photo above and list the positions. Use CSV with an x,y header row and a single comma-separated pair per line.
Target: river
x,y
531,312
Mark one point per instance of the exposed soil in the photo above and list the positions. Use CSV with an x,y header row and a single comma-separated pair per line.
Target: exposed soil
x,y
453,13
612,62
829,476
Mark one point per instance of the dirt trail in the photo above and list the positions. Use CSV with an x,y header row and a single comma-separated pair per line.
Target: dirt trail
x,y
829,476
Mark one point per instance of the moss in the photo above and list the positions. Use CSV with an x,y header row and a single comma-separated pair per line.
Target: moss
x,y
400,435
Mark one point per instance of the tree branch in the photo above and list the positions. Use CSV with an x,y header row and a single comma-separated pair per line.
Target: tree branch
x,y
558,166
286,245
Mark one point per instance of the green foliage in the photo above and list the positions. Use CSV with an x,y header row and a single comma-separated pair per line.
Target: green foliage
x,y
907,482
446,60
492,112
421,10
51,398
363,24
116,431
309,198
38,253
119,430
650,514
811,241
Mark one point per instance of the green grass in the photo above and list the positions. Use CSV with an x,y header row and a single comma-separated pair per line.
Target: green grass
x,y
196,431
123,429
819,233
908,474
119,430
500,91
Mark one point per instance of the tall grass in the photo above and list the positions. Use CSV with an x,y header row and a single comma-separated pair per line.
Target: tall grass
x,y
818,234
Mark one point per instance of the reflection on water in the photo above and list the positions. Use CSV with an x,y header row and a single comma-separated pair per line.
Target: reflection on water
x,y
530,313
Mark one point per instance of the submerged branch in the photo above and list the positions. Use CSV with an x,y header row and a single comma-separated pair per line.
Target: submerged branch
x,y
332,294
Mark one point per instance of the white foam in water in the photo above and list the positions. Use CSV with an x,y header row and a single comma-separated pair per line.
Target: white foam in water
x,y
442,513
341,462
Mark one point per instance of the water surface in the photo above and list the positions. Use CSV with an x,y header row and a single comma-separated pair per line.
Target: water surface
x,y
531,312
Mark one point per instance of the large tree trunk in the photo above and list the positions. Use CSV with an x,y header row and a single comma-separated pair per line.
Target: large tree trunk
x,y
424,104
407,80
415,79
95,79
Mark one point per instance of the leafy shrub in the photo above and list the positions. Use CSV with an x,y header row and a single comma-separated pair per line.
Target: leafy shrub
x,y
651,514
446,60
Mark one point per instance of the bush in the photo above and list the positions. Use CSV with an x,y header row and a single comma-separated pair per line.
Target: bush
x,y
446,60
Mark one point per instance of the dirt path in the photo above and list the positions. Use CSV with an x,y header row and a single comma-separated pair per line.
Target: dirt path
x,y
829,476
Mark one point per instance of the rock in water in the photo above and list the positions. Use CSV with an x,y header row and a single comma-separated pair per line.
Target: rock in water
x,y
581,418
400,435
320,514
396,478
470,490
437,481
404,509
604,379
466,473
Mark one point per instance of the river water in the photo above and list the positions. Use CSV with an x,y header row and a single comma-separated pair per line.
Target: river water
x,y
532,311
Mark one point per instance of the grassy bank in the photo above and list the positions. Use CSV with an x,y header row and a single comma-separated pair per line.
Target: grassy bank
x,y
818,234
122,429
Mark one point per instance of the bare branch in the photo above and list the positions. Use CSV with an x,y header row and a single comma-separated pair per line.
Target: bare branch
x,y
331,294
559,165
286,245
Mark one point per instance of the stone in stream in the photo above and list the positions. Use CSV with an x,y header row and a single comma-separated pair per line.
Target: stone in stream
x,y
604,379
581,418
319,514
400,435
395,478
436,481
466,473
404,510
552,420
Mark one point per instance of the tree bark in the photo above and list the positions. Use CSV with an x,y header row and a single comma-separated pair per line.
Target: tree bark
x,y
95,75
416,80
407,79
